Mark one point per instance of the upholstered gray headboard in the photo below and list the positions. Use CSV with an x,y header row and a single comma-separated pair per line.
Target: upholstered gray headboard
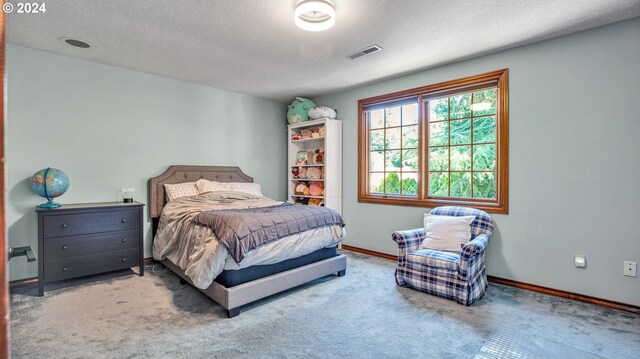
x,y
179,174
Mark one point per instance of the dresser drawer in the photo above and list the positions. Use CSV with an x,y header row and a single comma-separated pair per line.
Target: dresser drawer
x,y
91,264
74,224
64,247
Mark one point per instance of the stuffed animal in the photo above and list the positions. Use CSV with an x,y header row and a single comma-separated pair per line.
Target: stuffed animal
x,y
316,202
302,189
306,134
318,157
310,156
315,134
321,131
302,172
298,111
314,173
296,137
319,112
301,157
316,188
295,172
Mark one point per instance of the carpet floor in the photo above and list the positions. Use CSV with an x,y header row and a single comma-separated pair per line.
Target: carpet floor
x,y
361,315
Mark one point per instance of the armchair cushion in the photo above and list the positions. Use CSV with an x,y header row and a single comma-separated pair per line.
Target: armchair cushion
x,y
437,259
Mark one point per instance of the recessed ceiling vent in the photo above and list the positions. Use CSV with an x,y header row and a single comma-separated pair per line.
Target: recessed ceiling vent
x,y
75,42
366,51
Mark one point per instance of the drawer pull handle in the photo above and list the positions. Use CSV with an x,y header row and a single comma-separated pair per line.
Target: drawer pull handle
x,y
124,260
124,220
64,269
64,246
124,240
64,225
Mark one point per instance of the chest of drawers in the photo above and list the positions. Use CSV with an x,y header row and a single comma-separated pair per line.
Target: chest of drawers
x,y
77,240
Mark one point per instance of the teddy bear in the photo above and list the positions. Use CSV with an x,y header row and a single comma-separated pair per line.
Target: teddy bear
x,y
321,131
315,134
314,173
318,157
316,188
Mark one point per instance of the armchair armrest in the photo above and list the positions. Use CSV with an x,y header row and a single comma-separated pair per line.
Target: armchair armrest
x,y
472,256
408,241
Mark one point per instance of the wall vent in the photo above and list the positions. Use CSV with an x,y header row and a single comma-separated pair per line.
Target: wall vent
x,y
366,51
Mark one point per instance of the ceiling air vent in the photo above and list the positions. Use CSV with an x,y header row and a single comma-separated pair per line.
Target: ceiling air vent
x,y
366,51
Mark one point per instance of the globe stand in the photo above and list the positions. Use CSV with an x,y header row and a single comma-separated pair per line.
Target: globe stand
x,y
50,204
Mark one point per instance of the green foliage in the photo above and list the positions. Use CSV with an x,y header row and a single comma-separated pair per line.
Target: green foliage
x,y
393,183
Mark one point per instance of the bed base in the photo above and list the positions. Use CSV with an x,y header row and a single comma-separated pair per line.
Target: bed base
x,y
233,298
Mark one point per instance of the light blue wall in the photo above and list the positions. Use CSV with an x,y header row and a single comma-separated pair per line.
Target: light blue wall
x,y
107,127
574,162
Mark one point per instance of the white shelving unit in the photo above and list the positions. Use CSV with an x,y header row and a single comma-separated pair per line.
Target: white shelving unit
x,y
331,165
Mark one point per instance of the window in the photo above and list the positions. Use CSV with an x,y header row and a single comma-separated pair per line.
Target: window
x,y
443,144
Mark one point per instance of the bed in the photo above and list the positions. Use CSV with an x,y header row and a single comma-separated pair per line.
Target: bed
x,y
238,284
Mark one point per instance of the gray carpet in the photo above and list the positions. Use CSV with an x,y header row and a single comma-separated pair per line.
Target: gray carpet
x,y
362,315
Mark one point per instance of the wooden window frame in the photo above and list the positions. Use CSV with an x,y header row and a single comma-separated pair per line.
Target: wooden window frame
x,y
500,204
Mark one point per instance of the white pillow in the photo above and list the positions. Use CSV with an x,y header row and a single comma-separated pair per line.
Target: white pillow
x,y
246,187
205,186
178,190
446,233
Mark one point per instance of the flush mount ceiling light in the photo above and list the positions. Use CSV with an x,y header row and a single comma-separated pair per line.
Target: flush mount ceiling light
x,y
315,15
72,41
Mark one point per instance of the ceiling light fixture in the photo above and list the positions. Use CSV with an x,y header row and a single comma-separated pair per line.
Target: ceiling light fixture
x,y
315,15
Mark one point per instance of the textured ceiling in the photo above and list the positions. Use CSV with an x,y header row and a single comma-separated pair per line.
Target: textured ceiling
x,y
253,46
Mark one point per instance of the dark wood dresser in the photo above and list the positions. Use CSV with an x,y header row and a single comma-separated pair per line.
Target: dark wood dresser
x,y
88,238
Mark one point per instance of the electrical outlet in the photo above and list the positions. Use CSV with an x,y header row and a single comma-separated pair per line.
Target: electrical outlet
x,y
580,261
630,269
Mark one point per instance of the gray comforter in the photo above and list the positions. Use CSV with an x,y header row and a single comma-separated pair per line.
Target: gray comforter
x,y
241,230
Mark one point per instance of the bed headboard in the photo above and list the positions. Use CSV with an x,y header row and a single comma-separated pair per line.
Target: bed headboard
x,y
179,174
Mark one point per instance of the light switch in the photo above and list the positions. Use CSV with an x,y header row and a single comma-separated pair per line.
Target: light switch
x,y
580,261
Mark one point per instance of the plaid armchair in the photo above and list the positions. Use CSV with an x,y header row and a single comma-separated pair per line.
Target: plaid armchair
x,y
460,277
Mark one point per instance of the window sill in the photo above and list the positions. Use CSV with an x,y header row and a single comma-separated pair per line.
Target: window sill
x,y
490,207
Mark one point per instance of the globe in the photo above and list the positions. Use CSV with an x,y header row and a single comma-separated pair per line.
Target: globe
x,y
298,110
49,183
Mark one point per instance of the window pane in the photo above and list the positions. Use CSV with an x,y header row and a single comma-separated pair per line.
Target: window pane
x,y
376,118
484,129
376,161
438,159
484,185
484,157
461,159
393,138
460,132
376,182
460,106
439,134
461,184
392,183
439,184
438,109
410,137
392,160
393,117
410,114
410,160
484,102
409,184
376,140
